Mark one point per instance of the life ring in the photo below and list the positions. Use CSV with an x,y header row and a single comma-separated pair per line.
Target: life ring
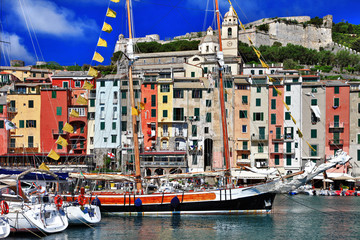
x,y
4,207
81,199
58,201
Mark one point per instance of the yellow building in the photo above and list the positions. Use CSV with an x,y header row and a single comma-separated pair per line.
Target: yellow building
x,y
24,112
22,73
165,109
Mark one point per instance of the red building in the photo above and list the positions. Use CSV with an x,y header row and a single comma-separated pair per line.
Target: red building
x,y
337,118
149,114
4,134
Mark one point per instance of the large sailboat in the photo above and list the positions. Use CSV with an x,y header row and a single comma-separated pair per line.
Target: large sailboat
x,y
225,199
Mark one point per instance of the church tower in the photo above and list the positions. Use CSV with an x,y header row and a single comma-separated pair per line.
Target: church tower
x,y
230,33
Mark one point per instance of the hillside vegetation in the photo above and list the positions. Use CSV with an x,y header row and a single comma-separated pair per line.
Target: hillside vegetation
x,y
347,34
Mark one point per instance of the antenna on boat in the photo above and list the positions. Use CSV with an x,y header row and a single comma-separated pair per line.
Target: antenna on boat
x,y
130,51
220,59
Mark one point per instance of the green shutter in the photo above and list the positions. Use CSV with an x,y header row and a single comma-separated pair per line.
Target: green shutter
x,y
1,123
288,100
258,102
92,102
358,154
336,102
288,160
153,112
114,126
21,124
123,94
287,116
197,114
208,117
274,93
273,103
336,90
102,125
1,108
58,111
59,146
165,113
313,133
194,130
53,94
313,102
60,126
277,160
153,100
273,118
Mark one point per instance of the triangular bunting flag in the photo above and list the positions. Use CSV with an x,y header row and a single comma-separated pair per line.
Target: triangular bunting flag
x,y
107,28
68,128
52,154
142,105
44,167
111,13
251,43
257,52
62,141
97,57
82,101
74,113
115,1
102,43
299,133
310,146
264,64
92,72
271,79
293,119
88,85
134,111
286,106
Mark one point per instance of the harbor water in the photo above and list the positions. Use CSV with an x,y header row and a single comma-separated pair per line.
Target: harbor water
x,y
293,217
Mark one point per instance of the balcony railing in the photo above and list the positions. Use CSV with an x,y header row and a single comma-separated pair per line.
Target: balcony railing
x,y
335,142
336,125
30,148
277,138
243,162
58,132
195,152
12,110
259,137
166,163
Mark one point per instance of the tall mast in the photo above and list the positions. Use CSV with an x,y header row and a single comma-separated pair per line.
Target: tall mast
x,y
130,51
220,57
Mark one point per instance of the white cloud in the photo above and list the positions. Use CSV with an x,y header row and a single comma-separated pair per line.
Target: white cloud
x,y
49,18
17,49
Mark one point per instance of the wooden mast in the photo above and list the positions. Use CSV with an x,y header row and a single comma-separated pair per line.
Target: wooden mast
x,y
132,100
220,57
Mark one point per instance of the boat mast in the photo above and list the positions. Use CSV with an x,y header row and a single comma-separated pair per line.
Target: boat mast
x,y
220,57
130,51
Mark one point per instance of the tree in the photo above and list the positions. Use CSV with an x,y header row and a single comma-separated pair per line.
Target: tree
x,y
356,45
290,64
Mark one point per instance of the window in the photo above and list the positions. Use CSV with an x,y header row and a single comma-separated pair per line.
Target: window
x,y
194,130
197,114
206,130
30,123
102,113
165,99
313,133
178,114
358,154
313,102
115,83
65,84
144,100
102,97
244,128
225,96
53,94
123,125
244,99
30,141
312,152
102,125
58,111
229,32
336,90
196,93
165,88
136,93
273,103
277,160
92,102
31,104
208,117
358,122
336,102
1,123
258,89
288,88
288,160
243,114
123,94
273,118
123,110
358,139
59,146
1,109
124,83
314,89
245,145
287,116
258,102
252,72
288,100
21,124
152,86
258,116
113,138
153,100
153,112
274,92
82,129
114,126
178,93
260,147
165,113
102,84
115,113
192,74
205,70
77,84
261,72
208,103
276,147
105,139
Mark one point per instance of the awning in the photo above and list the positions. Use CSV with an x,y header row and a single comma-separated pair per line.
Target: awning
x,y
339,176
316,111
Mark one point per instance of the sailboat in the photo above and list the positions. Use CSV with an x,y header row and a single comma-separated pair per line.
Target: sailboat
x,y
224,200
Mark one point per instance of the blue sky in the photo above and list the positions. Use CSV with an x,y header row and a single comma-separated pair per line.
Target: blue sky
x,y
67,31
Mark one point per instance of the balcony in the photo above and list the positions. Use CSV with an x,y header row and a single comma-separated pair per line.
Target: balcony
x,y
273,150
277,138
58,132
288,137
12,110
289,150
162,164
195,151
243,150
31,148
243,162
259,137
336,125
336,142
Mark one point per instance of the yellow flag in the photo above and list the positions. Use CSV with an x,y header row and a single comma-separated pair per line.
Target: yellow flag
x,y
62,141
251,43
115,1
81,100
68,128
270,78
299,133
277,90
142,105
92,72
293,119
102,43
134,111
107,28
264,64
310,146
97,57
286,106
88,85
111,13
242,26
257,52
74,113
44,167
52,154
